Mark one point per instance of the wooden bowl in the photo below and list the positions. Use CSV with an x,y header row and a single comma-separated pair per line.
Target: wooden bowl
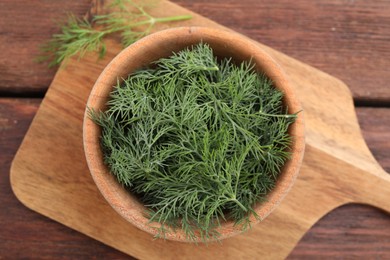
x,y
162,44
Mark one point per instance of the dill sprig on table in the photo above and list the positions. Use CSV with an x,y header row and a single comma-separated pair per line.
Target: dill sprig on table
x,y
79,36
199,140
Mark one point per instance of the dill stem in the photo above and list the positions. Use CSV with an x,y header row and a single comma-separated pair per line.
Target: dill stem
x,y
239,204
173,18
273,115
151,20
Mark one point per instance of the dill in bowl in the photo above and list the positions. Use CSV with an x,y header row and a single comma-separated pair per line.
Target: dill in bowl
x,y
197,139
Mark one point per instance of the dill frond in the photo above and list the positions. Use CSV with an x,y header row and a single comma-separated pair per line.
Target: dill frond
x,y
198,140
79,36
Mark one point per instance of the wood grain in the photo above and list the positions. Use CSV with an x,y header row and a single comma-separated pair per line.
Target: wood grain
x,y
340,235
346,38
333,139
24,26
24,233
349,230
375,124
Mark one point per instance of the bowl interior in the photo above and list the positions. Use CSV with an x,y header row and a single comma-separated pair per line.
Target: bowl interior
x,y
162,44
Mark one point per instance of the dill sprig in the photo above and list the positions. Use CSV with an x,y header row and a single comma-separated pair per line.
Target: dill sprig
x,y
79,36
199,140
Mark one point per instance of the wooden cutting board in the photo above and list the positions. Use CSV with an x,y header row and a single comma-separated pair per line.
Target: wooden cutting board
x,y
49,173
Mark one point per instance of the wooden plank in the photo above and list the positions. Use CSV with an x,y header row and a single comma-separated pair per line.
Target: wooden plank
x,y
15,117
343,234
24,233
351,230
340,234
333,139
24,26
375,125
346,38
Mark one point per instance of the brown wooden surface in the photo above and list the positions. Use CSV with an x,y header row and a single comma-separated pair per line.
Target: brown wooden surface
x,y
350,230
345,38
24,27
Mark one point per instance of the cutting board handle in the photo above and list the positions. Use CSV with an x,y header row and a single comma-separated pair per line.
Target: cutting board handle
x,y
371,188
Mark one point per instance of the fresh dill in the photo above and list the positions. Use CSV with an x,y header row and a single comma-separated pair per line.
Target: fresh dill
x,y
198,139
80,36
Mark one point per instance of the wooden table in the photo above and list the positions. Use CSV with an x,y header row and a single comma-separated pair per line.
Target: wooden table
x,y
349,39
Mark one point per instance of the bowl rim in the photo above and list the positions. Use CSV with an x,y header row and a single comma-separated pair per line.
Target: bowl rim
x,y
120,199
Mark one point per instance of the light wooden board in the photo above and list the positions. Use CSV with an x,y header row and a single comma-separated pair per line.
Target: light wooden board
x,y
49,173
